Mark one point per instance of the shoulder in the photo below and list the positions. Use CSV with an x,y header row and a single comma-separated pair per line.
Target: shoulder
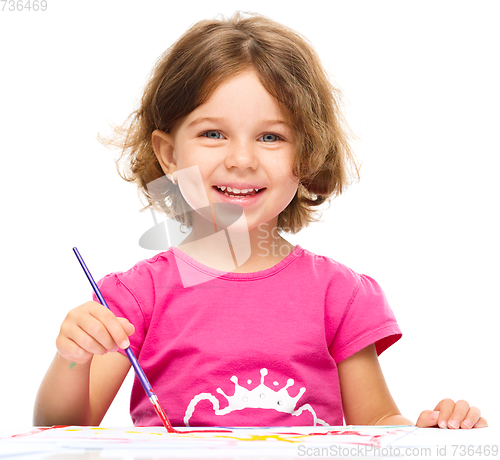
x,y
146,272
135,292
339,281
326,269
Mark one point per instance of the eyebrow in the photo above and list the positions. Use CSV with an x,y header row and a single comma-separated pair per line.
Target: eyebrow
x,y
199,120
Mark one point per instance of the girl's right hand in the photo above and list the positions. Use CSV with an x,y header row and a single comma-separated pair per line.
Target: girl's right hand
x,y
92,329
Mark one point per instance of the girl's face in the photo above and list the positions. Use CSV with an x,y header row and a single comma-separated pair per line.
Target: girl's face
x,y
237,138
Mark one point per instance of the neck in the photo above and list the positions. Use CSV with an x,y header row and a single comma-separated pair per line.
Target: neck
x,y
242,251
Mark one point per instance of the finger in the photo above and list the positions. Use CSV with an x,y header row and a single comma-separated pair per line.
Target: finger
x,y
128,327
87,342
71,351
481,423
428,419
471,418
458,415
76,328
112,325
445,408
98,331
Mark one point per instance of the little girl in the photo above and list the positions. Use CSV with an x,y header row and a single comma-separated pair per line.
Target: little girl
x,y
236,326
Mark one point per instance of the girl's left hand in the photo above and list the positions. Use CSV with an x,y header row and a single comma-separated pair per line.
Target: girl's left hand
x,y
449,414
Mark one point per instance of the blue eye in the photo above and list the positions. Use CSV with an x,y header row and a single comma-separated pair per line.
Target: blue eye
x,y
270,138
212,134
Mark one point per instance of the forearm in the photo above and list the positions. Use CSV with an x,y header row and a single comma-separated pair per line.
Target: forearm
x,y
63,397
395,420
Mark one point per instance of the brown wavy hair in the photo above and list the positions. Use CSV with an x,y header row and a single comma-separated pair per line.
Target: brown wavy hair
x,y
288,67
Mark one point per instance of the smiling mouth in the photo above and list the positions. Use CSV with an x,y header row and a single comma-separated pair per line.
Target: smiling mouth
x,y
224,191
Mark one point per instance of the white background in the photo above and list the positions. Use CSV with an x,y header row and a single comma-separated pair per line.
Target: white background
x,y
420,80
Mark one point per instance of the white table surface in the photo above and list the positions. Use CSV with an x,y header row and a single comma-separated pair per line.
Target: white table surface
x,y
424,443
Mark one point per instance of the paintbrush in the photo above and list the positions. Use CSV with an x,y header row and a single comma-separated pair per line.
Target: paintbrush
x,y
131,356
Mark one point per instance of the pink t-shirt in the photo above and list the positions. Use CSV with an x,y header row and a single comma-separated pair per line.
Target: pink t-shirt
x,y
247,349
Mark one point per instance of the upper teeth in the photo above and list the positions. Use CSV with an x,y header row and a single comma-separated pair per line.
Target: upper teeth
x,y
235,190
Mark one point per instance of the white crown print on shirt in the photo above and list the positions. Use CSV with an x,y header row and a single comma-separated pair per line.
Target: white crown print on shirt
x,y
261,397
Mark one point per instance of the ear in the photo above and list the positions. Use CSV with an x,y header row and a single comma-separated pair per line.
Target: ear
x,y
163,146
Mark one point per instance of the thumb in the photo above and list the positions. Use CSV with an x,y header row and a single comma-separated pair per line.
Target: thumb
x,y
128,327
428,419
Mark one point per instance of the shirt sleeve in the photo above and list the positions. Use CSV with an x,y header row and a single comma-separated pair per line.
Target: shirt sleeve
x,y
124,304
367,319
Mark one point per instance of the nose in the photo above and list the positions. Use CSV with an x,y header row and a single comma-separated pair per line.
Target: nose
x,y
241,154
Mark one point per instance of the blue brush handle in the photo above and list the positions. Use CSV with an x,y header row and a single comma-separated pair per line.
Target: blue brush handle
x,y
131,356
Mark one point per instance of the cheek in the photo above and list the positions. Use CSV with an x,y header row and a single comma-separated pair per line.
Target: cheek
x,y
193,156
192,186
286,194
291,190
283,163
